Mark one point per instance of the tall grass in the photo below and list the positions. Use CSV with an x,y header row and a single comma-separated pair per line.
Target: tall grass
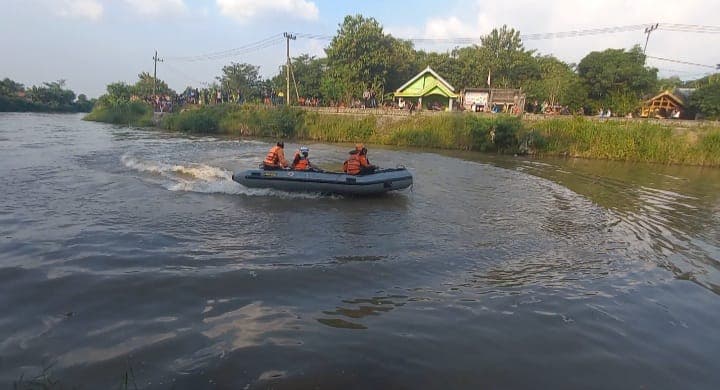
x,y
448,131
456,131
247,120
338,128
631,140
122,113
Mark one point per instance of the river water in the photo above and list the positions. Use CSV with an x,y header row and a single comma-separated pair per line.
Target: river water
x,y
129,258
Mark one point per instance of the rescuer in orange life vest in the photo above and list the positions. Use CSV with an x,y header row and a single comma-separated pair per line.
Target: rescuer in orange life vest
x,y
301,162
275,158
358,163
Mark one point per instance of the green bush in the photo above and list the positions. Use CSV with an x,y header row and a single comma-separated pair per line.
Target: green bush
x,y
506,133
122,113
260,121
480,131
202,120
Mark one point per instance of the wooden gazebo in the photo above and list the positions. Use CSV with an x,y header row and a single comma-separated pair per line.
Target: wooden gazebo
x,y
664,105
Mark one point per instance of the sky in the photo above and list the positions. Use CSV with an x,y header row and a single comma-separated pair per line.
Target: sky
x,y
91,43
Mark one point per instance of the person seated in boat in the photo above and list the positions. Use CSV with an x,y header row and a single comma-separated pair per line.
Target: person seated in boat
x,y
275,158
301,162
365,166
357,163
351,166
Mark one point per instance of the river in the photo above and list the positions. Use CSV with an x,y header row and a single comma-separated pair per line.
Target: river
x,y
129,258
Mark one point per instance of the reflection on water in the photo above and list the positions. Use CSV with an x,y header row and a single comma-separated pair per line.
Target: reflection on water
x,y
356,309
668,210
248,326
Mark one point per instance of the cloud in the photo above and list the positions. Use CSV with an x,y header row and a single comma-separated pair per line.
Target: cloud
x,y
244,10
450,27
83,9
479,18
157,7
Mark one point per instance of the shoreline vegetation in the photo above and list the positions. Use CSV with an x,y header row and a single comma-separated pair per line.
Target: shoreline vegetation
x,y
50,97
635,140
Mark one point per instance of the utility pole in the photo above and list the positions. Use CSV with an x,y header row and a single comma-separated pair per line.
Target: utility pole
x,y
288,37
648,30
156,59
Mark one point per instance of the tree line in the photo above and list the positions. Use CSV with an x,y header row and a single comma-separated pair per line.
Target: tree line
x,y
362,56
47,97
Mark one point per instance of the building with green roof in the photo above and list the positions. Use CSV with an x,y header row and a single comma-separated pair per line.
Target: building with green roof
x,y
430,86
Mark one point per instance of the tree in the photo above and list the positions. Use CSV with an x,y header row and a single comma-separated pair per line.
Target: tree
x,y
361,55
10,88
615,77
336,87
403,64
559,84
53,94
706,100
668,84
308,72
243,78
117,93
83,104
465,68
146,85
47,97
509,63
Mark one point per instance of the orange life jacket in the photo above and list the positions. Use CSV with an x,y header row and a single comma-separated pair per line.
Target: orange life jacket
x,y
352,165
363,160
302,163
273,157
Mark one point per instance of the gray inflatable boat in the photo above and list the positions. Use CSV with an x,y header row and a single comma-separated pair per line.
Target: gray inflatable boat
x,y
381,181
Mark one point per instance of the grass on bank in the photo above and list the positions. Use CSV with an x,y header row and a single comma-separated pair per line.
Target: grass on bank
x,y
451,131
629,141
626,140
122,113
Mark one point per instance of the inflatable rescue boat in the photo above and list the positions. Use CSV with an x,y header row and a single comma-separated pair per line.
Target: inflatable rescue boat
x,y
381,181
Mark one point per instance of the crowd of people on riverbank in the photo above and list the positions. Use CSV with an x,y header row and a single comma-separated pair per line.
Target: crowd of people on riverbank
x,y
214,96
206,96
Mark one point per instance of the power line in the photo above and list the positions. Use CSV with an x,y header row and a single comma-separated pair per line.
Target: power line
x,y
277,39
530,37
229,51
691,28
586,32
685,71
185,75
685,62
245,49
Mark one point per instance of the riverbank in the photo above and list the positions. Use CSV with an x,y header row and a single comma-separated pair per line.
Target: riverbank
x,y
615,139
22,105
123,113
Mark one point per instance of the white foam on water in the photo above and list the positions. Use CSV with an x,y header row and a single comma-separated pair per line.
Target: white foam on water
x,y
202,178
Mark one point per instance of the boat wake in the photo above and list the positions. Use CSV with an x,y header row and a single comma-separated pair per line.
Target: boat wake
x,y
201,178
